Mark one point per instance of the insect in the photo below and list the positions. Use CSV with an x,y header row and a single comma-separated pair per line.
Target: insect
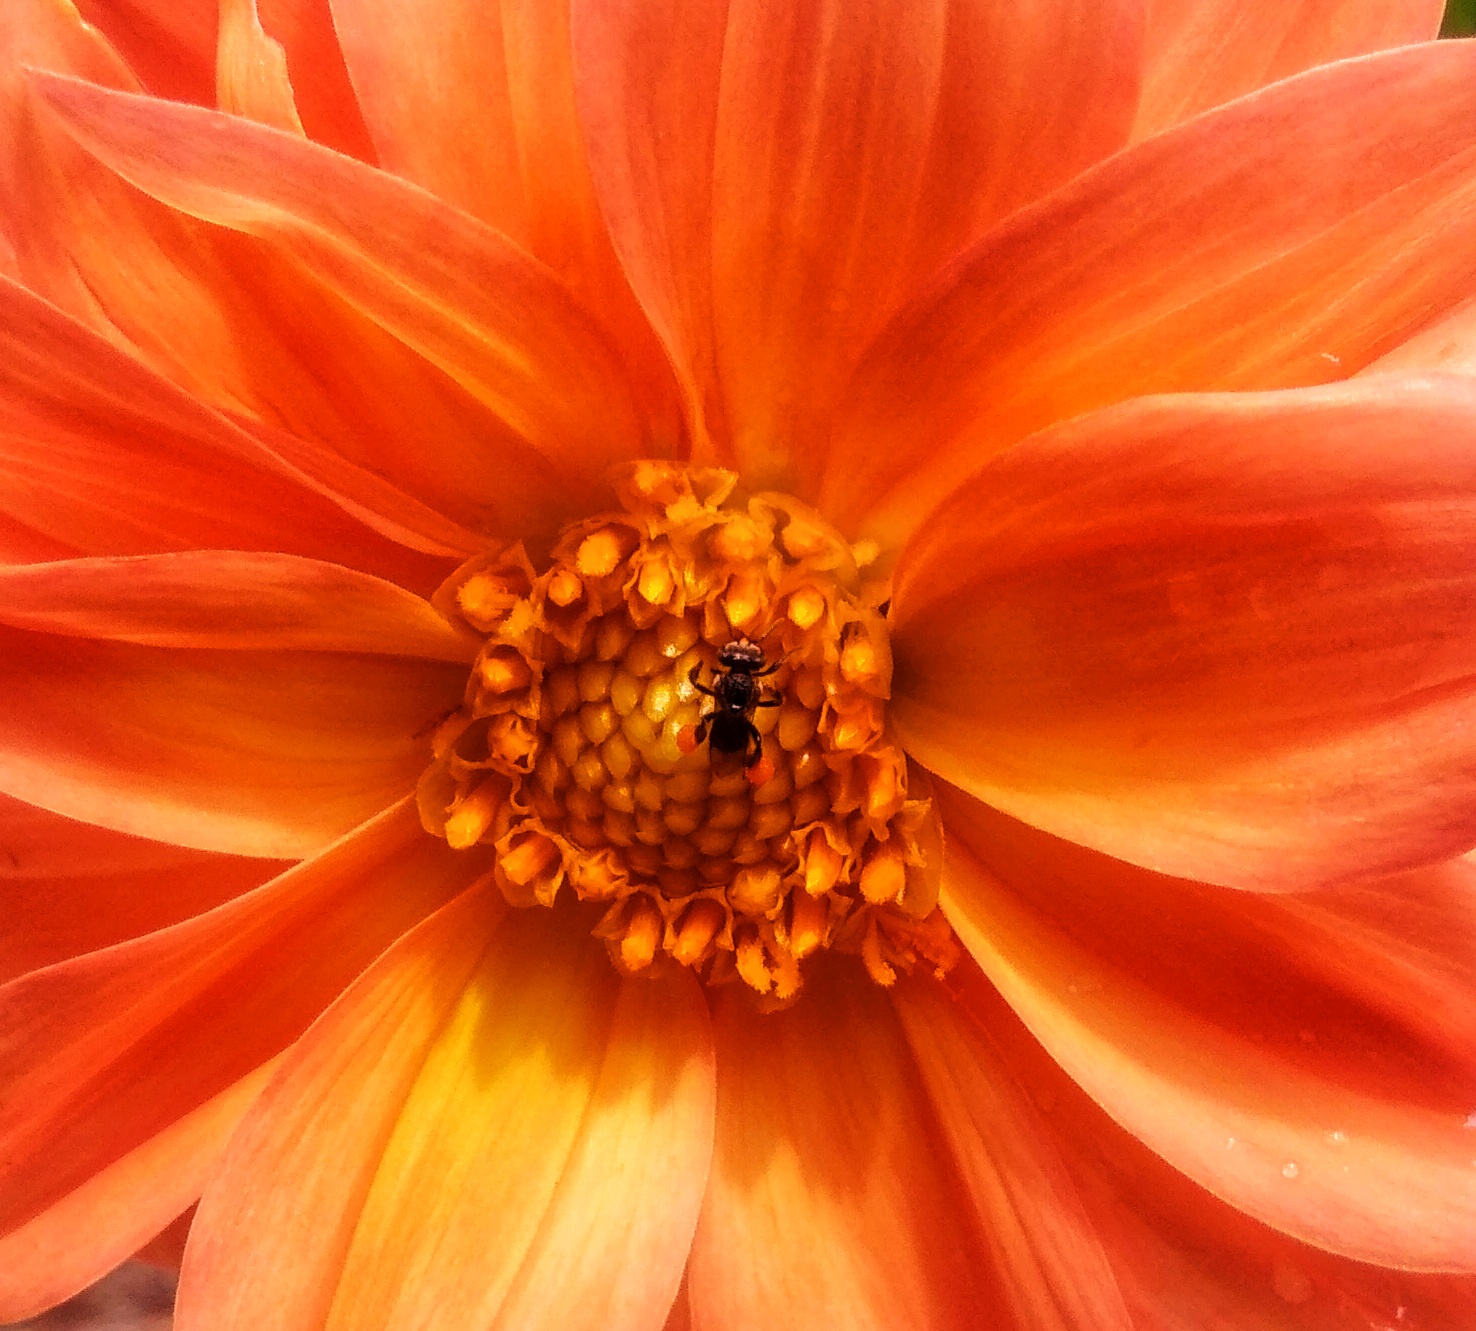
x,y
736,694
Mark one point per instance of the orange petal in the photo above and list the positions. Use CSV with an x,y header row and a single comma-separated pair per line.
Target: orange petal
x,y
170,44
119,1066
229,600
1288,239
475,101
838,186
320,83
99,455
484,1102
1054,1272
1448,345
1200,53
1222,636
67,888
1189,1013
832,1201
270,753
79,1237
1181,1257
335,302
815,176
251,70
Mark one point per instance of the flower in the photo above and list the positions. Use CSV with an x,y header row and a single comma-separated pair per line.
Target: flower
x,y
1083,452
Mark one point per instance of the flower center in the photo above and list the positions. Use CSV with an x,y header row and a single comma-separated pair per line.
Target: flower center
x,y
682,717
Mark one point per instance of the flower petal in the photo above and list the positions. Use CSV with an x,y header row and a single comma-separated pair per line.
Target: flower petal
x,y
1203,52
846,188
70,888
101,456
1191,1015
320,83
114,1063
170,44
251,70
1447,345
1055,1274
479,109
335,302
488,1099
1224,636
270,753
1183,1259
229,600
1288,239
832,1201
81,1236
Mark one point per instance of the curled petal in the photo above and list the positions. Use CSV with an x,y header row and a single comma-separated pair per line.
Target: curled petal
x,y
1221,636
123,1069
832,1201
1216,1026
1200,54
1305,243
460,1101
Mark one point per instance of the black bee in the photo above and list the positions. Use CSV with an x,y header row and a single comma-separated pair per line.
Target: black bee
x,y
736,694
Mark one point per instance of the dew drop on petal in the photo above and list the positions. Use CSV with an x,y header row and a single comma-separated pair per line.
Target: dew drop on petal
x,y
1290,1170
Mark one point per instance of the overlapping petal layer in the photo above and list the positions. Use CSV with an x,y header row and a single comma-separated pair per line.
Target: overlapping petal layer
x,y
104,457
1055,1274
827,1168
154,702
460,1115
67,888
1224,1031
770,224
1182,1259
1199,53
1277,242
271,281
1221,636
121,1064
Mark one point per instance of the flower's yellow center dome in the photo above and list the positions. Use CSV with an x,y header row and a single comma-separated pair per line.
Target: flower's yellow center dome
x,y
683,716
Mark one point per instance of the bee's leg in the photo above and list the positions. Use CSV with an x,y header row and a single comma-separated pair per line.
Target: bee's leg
x,y
769,702
696,683
767,670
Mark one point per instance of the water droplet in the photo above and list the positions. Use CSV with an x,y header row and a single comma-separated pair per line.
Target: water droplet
x,y
1229,1142
1471,1120
1290,1170
1337,1137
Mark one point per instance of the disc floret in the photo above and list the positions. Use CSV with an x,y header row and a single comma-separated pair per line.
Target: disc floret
x,y
583,751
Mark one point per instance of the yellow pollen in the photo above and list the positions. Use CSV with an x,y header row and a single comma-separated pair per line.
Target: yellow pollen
x,y
806,607
730,808
598,555
564,588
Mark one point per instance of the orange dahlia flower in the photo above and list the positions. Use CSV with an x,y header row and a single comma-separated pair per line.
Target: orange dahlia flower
x,y
740,663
